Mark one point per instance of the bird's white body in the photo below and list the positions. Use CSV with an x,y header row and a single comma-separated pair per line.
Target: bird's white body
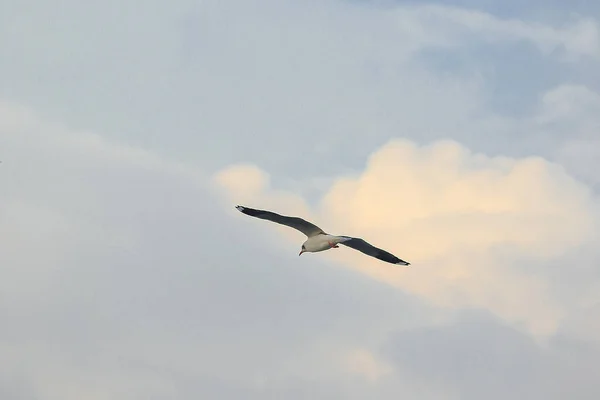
x,y
318,243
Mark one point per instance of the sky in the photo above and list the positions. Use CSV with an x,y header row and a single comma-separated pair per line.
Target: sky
x,y
462,136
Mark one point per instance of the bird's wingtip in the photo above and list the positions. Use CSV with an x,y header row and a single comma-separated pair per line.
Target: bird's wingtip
x,y
406,264
240,208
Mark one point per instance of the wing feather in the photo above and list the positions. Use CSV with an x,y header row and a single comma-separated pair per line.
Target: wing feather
x,y
293,222
368,249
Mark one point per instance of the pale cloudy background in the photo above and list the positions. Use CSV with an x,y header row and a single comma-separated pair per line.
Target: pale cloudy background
x,y
464,136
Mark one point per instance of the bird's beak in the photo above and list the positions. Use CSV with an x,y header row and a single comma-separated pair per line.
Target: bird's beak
x,y
301,251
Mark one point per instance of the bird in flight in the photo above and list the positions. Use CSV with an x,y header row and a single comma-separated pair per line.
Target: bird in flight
x,y
317,240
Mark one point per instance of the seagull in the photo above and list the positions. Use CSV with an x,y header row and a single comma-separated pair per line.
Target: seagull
x,y
318,240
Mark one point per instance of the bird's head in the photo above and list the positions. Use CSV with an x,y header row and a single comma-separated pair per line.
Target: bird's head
x,y
302,250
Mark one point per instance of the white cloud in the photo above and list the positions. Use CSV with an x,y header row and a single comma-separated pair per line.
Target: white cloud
x,y
569,117
569,104
477,348
580,37
365,364
124,262
120,267
466,221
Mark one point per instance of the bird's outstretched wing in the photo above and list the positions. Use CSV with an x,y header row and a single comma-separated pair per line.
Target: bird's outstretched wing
x,y
369,249
293,222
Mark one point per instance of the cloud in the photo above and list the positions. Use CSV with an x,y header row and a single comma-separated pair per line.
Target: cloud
x,y
580,37
466,221
110,264
364,363
476,347
121,268
353,70
569,115
125,275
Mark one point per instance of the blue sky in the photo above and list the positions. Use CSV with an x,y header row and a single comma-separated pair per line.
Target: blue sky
x,y
462,136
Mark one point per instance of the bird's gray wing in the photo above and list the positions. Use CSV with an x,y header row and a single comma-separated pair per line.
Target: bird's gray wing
x,y
369,249
293,222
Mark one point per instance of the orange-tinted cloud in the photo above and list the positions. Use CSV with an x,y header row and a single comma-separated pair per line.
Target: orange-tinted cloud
x,y
469,224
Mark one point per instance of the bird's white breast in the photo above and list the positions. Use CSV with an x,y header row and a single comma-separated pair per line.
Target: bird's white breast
x,y
320,243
